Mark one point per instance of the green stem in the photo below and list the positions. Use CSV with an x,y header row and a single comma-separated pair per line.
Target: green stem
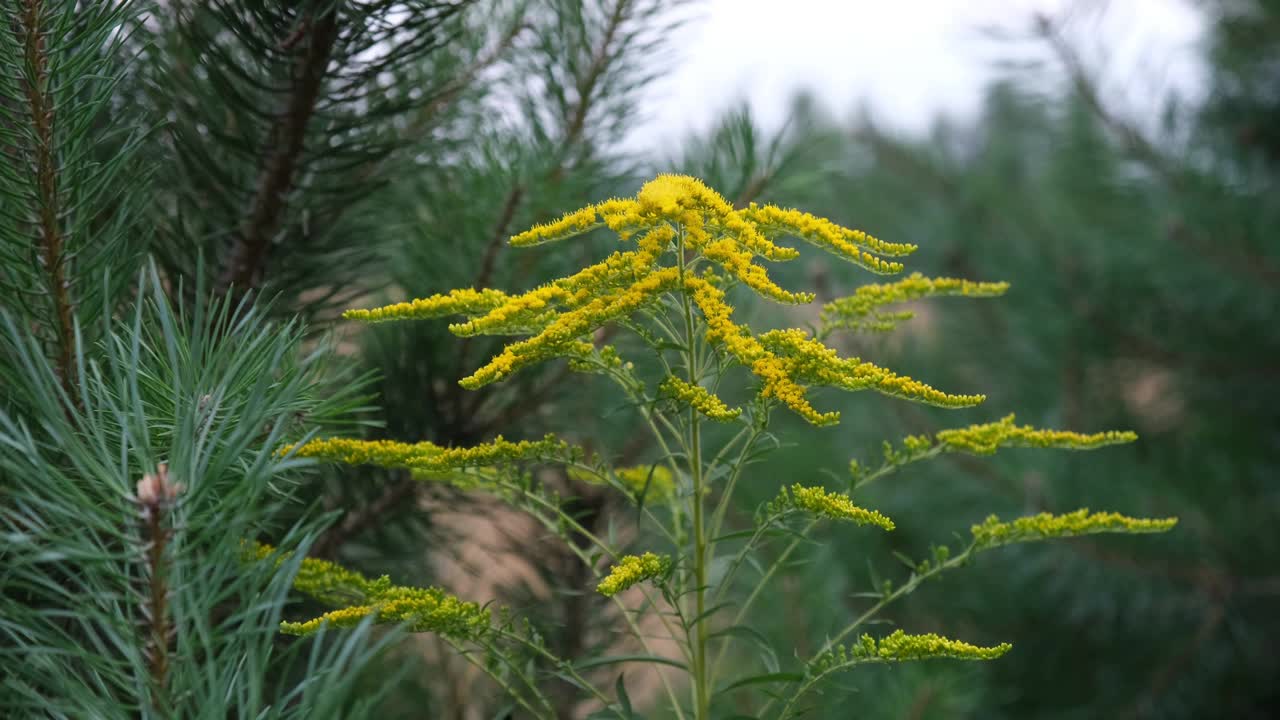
x,y
550,523
466,654
701,697
906,589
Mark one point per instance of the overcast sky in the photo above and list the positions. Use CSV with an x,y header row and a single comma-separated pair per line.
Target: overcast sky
x,y
905,59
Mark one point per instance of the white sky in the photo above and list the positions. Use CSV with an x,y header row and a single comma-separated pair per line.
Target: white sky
x,y
905,59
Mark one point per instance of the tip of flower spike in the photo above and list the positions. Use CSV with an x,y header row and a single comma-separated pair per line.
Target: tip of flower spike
x,y
836,506
900,646
465,301
570,224
863,309
986,438
854,246
426,609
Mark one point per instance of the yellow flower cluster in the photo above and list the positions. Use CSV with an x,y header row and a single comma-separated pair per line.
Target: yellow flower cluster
x,y
422,609
852,245
901,647
992,532
836,506
736,261
984,439
429,457
678,211
809,361
699,398
457,302
606,307
738,341
631,570
860,311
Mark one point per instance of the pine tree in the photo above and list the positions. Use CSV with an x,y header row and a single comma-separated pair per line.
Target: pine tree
x,y
276,160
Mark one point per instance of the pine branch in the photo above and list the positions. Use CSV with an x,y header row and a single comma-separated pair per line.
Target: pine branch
x,y
357,521
244,267
156,495
1248,265
40,108
586,85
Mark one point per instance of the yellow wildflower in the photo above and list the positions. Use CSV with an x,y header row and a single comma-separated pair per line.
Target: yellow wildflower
x,y
737,262
810,361
569,326
699,398
836,506
429,457
457,302
631,570
992,532
852,245
984,439
860,311
423,609
900,646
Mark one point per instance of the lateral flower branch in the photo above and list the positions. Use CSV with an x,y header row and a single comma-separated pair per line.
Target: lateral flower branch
x,y
684,252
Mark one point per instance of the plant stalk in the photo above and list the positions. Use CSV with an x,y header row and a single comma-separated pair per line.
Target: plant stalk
x,y
701,696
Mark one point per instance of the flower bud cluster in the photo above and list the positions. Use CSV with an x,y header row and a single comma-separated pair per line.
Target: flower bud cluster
x,y
836,506
861,311
986,438
632,570
421,609
698,398
993,533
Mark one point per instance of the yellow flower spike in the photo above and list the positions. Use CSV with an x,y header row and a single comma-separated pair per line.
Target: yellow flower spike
x,y
632,570
517,315
776,382
571,325
819,502
899,647
429,457
860,311
852,245
348,451
993,533
497,452
737,262
810,361
569,225
699,398
423,609
985,439
458,302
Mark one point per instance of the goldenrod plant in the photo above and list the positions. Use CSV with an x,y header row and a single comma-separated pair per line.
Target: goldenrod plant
x,y
706,387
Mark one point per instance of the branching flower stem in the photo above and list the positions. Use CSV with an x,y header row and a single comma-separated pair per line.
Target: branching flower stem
x,y
905,589
551,523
